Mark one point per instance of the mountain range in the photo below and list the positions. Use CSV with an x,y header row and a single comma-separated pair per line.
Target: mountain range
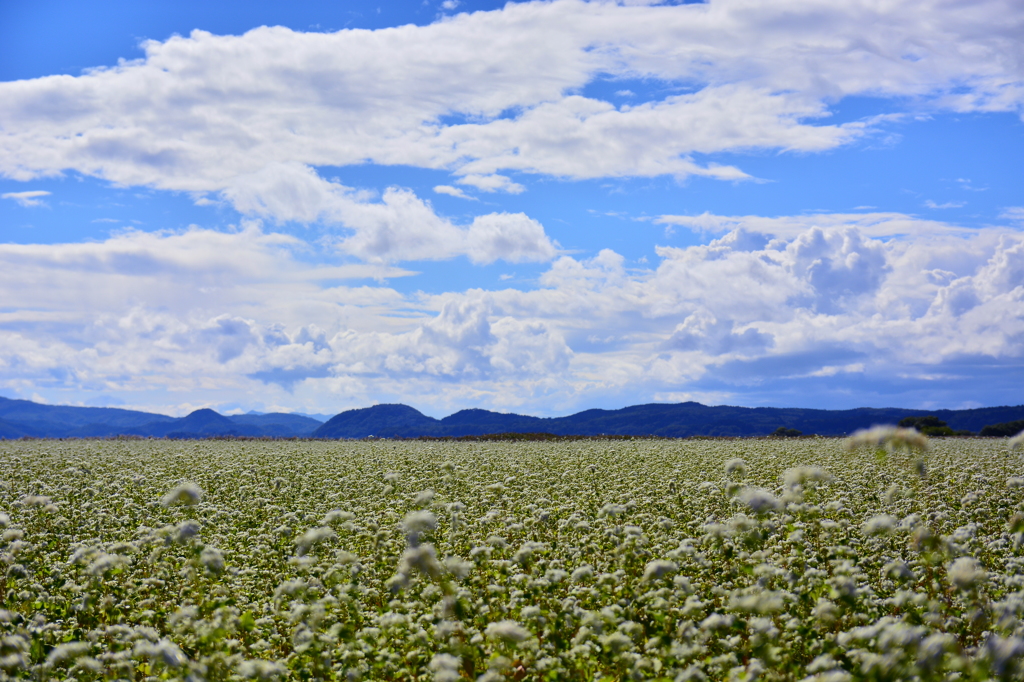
x,y
675,420
24,418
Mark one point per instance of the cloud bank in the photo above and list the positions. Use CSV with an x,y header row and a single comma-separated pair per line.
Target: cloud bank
x,y
486,93
183,311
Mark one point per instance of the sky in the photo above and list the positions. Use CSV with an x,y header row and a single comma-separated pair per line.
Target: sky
x,y
531,207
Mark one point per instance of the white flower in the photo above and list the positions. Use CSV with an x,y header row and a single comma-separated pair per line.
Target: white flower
x,y
507,631
659,568
423,498
311,537
212,559
889,437
759,500
421,559
445,667
883,524
736,466
419,522
1016,442
803,475
186,493
458,567
965,573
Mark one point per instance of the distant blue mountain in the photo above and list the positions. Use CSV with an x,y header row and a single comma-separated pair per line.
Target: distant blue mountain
x,y
678,420
21,418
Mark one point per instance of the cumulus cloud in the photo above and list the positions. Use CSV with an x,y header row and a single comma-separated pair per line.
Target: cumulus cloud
x,y
27,199
202,313
488,92
398,226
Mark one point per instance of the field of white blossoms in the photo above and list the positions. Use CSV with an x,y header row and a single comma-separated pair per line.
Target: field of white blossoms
x,y
800,559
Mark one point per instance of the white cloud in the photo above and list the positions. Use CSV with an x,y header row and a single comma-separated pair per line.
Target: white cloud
x,y
27,199
1014,213
949,204
492,183
453,192
398,227
483,93
876,225
204,315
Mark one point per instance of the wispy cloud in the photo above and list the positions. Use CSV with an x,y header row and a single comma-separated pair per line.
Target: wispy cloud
x,y
453,192
949,204
27,199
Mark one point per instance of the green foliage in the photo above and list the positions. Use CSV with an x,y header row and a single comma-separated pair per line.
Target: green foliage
x,y
573,560
1004,430
930,426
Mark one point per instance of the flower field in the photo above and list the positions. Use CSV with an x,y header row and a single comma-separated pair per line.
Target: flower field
x,y
761,559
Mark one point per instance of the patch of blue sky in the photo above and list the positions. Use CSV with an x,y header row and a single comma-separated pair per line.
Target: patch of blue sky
x,y
967,179
48,37
956,384
81,208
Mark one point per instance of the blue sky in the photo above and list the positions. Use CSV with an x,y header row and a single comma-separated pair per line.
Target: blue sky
x,y
537,207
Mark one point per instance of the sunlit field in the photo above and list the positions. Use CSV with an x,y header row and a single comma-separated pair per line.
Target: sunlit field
x,y
592,560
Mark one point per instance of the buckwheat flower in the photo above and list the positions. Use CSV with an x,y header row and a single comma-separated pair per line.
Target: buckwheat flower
x,y
612,509
1016,442
825,611
965,573
897,571
507,631
736,466
555,575
445,667
66,652
883,524
168,653
423,498
421,559
1004,655
1015,482
336,516
616,642
759,500
458,567
584,572
5,520
212,560
717,621
106,562
803,475
829,676
418,522
259,669
659,568
186,493
305,542
185,530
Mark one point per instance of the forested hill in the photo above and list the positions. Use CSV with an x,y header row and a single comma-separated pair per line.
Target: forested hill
x,y
676,420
